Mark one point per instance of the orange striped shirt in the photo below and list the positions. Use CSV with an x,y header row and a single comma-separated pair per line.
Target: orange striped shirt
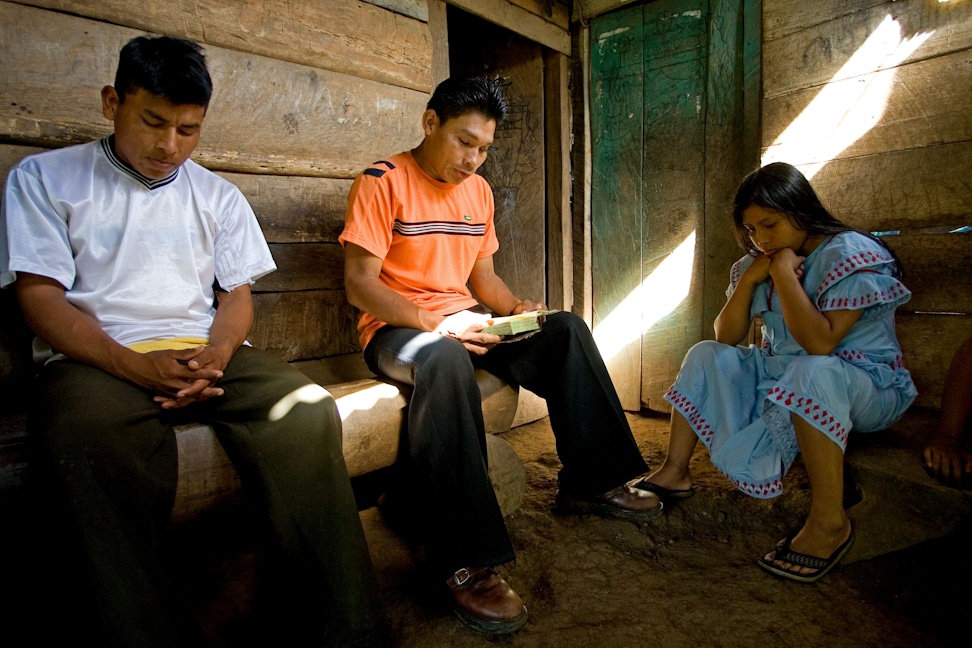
x,y
429,234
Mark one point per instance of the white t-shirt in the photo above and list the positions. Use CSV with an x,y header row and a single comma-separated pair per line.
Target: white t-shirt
x,y
139,256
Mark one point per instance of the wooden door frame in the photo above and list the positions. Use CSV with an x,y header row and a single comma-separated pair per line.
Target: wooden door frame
x,y
557,124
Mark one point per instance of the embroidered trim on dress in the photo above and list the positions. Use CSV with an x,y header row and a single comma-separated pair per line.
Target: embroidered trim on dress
x,y
810,411
892,294
700,425
854,356
734,275
691,413
765,490
849,266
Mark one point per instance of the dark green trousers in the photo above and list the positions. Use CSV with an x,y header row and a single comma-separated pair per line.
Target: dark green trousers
x,y
109,453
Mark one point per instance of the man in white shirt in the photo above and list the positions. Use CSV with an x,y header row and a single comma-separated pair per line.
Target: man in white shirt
x,y
119,251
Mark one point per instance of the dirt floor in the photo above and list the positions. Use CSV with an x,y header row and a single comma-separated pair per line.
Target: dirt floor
x,y
688,578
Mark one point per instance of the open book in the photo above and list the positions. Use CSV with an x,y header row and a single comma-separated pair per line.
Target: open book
x,y
517,327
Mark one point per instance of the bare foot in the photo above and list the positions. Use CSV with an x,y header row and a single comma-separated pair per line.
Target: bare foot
x,y
948,461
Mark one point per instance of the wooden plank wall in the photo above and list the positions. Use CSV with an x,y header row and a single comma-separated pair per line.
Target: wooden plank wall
x,y
890,143
306,94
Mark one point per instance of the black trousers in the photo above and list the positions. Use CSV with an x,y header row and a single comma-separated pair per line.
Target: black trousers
x,y
108,453
446,434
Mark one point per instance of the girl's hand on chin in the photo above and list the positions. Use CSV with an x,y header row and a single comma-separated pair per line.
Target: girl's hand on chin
x,y
786,260
759,269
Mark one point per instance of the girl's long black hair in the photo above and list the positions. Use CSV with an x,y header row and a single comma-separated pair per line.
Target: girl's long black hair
x,y
782,187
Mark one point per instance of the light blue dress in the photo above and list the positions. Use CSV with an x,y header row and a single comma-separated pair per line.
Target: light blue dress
x,y
739,399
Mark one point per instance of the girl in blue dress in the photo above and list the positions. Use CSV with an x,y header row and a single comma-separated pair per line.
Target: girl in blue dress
x,y
829,363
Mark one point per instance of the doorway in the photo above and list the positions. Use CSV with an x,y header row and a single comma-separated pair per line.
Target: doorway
x,y
514,167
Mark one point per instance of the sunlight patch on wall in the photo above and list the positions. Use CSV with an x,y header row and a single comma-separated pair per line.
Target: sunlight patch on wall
x,y
657,296
845,110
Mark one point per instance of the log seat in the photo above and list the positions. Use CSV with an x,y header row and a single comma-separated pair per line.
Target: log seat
x,y
372,414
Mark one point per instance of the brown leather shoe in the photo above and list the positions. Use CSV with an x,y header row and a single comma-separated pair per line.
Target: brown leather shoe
x,y
624,502
484,601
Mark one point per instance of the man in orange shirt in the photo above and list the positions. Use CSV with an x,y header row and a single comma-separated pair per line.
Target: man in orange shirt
x,y
418,235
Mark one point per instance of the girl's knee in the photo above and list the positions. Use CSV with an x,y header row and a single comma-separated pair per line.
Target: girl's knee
x,y
810,373
708,346
707,350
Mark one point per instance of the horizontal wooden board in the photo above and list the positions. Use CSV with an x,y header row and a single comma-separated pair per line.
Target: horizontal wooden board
x,y
928,343
878,36
418,9
903,190
293,209
11,154
584,10
304,266
267,116
345,36
782,17
335,369
519,21
304,325
937,271
919,104
555,11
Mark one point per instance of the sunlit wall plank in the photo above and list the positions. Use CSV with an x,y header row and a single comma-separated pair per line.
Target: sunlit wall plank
x,y
815,54
901,190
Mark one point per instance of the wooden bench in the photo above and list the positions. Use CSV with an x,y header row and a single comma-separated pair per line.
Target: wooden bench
x,y
373,418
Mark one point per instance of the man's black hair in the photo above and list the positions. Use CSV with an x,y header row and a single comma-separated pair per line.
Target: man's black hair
x,y
457,96
171,68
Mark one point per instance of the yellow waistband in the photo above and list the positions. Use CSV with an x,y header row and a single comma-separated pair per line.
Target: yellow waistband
x,y
177,344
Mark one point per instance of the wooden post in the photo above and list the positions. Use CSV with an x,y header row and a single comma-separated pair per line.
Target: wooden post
x,y
581,189
560,280
439,28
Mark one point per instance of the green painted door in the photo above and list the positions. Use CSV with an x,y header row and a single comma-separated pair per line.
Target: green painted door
x,y
672,135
